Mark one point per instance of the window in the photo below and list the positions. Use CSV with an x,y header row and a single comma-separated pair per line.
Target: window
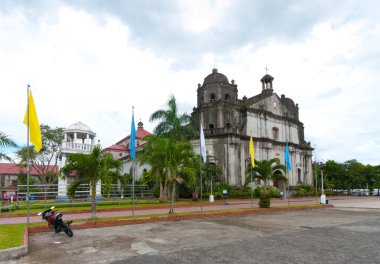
x,y
299,175
275,133
211,127
212,97
227,97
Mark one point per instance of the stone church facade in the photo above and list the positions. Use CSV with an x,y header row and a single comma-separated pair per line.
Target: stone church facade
x,y
271,120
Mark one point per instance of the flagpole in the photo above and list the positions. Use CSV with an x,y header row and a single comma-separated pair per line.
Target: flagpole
x,y
133,188
288,188
133,167
252,163
200,170
251,187
27,158
201,185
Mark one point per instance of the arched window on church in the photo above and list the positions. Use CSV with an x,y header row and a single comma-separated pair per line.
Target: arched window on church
x,y
299,175
275,133
227,97
211,127
212,97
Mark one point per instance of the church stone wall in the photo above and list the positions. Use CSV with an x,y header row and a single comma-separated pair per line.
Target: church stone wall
x,y
229,122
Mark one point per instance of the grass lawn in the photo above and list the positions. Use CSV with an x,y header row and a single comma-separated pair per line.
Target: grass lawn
x,y
39,206
11,236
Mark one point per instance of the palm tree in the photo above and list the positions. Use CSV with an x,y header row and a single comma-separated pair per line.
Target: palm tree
x,y
191,174
171,124
155,154
179,154
169,159
266,170
6,142
90,169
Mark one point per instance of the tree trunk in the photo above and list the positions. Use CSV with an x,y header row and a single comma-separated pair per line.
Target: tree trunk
x,y
163,192
173,197
93,197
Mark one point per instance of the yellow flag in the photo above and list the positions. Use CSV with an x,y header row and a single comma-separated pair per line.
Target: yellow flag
x,y
252,152
34,125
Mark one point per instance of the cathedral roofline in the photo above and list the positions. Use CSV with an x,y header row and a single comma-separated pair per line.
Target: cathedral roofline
x,y
215,77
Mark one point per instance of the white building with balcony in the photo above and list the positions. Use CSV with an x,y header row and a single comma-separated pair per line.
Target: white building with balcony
x,y
78,138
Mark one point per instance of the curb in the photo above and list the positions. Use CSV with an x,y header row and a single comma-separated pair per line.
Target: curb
x,y
17,252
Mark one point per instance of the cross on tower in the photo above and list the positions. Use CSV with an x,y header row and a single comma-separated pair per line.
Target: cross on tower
x,y
266,70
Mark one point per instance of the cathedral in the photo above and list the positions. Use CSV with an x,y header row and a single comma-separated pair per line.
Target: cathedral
x,y
271,120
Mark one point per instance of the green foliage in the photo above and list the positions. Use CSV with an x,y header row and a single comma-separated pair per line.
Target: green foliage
x,y
6,142
47,157
264,201
348,175
304,190
272,191
171,123
91,168
21,178
11,236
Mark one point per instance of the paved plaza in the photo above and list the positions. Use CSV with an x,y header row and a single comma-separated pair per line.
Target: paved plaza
x,y
349,233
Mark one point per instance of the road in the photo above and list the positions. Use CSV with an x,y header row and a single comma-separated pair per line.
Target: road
x,y
349,233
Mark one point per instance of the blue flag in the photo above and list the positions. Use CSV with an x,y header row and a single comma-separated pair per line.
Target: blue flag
x,y
287,158
132,150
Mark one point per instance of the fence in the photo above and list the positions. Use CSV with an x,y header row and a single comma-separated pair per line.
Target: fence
x,y
45,195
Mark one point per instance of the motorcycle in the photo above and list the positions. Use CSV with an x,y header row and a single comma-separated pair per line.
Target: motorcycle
x,y
55,221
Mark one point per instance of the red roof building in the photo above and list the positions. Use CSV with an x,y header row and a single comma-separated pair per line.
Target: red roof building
x,y
9,172
120,150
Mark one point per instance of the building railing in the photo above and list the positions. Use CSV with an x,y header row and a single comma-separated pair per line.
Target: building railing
x,y
77,146
216,131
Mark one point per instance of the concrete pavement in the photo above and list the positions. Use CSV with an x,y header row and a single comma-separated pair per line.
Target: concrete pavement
x,y
326,235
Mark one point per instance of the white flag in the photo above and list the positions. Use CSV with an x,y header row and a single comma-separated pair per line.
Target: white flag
x,y
203,144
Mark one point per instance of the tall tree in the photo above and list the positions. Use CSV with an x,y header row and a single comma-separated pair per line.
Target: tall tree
x,y
168,159
6,142
266,171
47,157
154,153
171,123
191,175
354,174
212,173
179,154
90,169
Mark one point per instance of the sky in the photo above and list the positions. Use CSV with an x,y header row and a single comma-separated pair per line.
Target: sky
x,y
91,61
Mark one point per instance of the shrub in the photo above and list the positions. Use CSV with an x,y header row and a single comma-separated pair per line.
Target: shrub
x,y
304,190
264,200
272,191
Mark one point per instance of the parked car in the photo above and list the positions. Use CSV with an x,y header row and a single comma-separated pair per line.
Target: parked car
x,y
360,192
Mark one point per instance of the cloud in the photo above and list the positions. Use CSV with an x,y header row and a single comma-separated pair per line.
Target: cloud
x,y
90,61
